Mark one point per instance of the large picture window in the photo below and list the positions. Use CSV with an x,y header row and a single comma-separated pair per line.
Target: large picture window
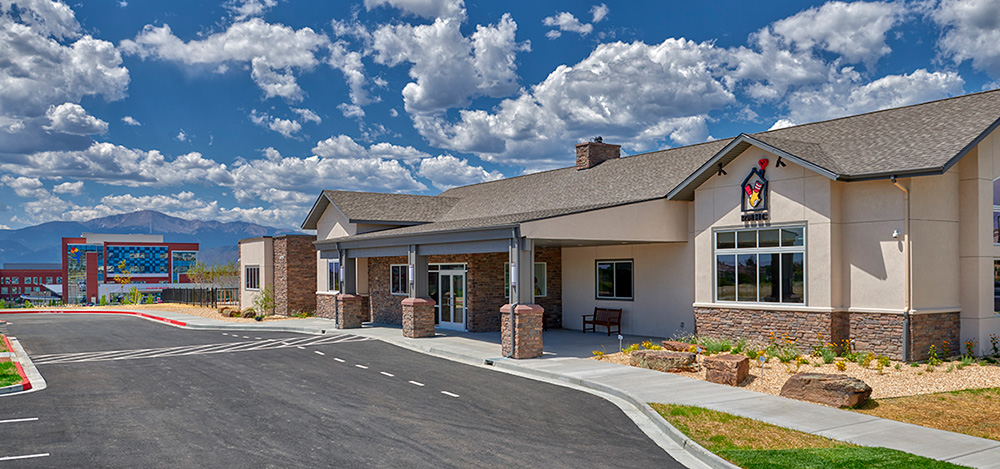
x,y
252,277
399,282
614,280
760,265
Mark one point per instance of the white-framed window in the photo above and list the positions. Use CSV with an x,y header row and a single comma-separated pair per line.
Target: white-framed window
x,y
761,265
251,277
333,278
614,279
996,211
48,280
541,280
996,286
3,290
399,281
58,280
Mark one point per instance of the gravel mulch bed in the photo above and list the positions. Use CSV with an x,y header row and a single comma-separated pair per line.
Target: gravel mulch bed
x,y
906,381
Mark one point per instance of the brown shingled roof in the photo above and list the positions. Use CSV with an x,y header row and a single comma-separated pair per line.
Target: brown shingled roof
x,y
913,140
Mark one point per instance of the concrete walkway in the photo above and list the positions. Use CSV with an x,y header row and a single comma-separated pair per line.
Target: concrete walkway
x,y
564,360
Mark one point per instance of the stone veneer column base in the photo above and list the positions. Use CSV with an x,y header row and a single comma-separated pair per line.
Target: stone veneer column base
x,y
350,311
326,306
528,331
418,317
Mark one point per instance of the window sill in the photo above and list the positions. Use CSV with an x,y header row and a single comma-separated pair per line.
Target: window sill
x,y
599,298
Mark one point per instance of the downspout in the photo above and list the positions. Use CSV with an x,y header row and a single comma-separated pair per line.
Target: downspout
x,y
908,264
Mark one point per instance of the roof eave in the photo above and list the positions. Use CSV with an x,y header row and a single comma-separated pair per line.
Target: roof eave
x,y
316,212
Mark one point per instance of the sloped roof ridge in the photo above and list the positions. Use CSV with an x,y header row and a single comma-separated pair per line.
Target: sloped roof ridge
x,y
877,111
573,168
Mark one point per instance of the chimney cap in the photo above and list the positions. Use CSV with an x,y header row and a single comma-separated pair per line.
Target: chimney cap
x,y
597,139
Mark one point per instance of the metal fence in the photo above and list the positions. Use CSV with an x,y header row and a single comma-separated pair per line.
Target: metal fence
x,y
201,296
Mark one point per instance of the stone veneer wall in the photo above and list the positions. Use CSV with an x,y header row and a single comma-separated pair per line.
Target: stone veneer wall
x,y
879,333
294,275
326,306
937,329
754,324
484,288
385,307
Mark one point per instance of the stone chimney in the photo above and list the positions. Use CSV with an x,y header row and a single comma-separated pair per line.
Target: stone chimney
x,y
593,153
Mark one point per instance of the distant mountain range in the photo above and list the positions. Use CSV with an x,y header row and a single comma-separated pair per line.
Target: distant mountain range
x,y
218,241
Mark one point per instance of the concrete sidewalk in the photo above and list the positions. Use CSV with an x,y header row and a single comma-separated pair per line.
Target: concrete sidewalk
x,y
564,360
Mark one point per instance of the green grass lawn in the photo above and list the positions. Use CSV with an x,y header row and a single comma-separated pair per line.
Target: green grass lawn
x,y
8,374
753,444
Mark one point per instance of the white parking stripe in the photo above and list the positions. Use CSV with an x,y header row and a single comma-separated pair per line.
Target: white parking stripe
x,y
264,344
446,393
32,419
317,352
416,383
258,338
245,337
339,360
27,456
362,367
387,374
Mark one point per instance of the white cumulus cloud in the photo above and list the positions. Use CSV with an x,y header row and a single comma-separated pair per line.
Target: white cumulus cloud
x,y
971,31
129,120
424,8
448,67
447,171
71,118
71,188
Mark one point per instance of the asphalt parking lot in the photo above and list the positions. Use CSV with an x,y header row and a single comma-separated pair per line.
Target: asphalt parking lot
x,y
125,392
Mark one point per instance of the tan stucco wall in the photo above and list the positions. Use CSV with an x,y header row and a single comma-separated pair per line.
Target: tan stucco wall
x,y
662,290
976,250
257,252
852,261
651,221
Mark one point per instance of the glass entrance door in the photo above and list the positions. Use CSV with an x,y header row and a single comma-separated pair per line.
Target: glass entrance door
x,y
451,299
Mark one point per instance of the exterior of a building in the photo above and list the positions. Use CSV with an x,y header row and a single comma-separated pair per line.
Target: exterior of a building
x,y
96,259
29,280
285,263
874,228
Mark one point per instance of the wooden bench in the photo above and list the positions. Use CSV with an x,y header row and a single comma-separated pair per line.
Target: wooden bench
x,y
606,317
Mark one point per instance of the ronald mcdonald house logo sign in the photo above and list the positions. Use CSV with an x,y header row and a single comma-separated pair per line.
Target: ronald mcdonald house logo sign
x,y
754,194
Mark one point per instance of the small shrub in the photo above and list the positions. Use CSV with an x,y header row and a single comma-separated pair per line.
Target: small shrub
x,y
930,368
713,346
3,304
784,352
899,366
598,353
950,368
865,359
739,346
884,360
828,354
965,361
914,365
630,349
104,300
995,344
933,359
879,367
27,304
841,365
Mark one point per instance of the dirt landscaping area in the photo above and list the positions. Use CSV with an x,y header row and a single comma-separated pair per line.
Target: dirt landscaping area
x,y
973,412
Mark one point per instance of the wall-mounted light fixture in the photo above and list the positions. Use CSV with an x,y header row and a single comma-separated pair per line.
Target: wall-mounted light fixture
x,y
895,234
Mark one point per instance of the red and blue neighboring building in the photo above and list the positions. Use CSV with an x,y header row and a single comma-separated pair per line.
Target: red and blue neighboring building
x,y
96,259
29,280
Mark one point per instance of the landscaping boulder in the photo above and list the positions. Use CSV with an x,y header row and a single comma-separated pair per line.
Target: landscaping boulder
x,y
676,346
229,311
833,390
727,369
663,360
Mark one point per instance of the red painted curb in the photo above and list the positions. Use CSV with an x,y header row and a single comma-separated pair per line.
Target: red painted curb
x,y
6,343
127,313
25,383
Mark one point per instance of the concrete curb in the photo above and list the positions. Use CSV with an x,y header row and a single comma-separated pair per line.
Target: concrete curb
x,y
31,379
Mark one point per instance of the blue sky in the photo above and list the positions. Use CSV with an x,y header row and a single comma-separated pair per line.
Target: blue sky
x,y
246,109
